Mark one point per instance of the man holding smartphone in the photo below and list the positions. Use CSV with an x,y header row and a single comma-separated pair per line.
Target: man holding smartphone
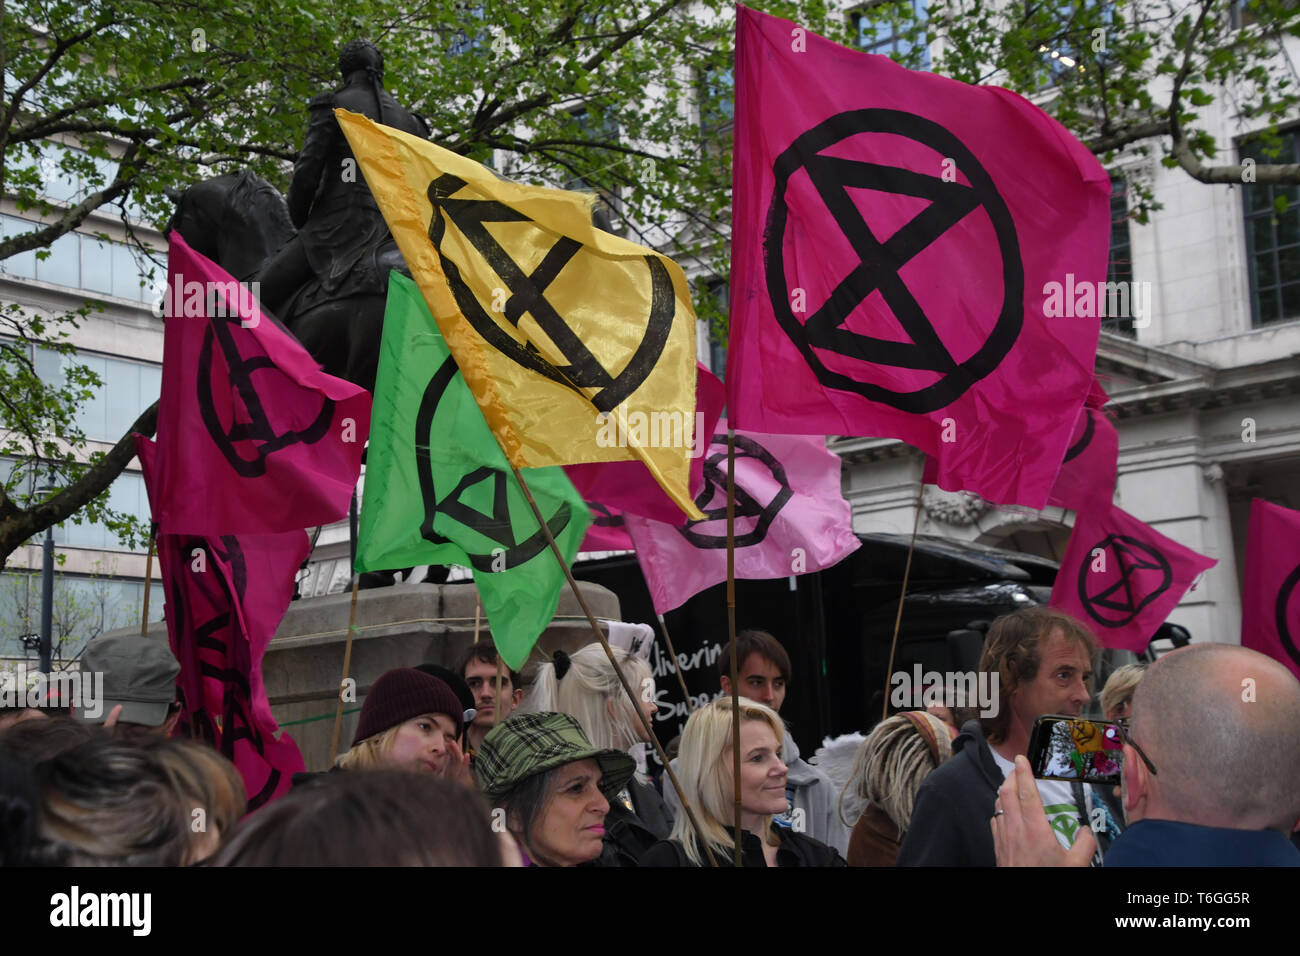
x,y
1211,771
1042,659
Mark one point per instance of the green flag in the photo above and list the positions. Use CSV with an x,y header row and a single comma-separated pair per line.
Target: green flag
x,y
439,491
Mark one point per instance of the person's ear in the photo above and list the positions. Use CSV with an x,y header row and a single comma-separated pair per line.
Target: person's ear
x,y
726,685
1136,781
518,696
169,725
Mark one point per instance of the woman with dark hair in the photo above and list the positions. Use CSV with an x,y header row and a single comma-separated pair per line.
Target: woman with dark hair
x,y
552,786
379,818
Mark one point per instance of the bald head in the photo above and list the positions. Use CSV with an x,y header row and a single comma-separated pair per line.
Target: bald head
x,y
1221,723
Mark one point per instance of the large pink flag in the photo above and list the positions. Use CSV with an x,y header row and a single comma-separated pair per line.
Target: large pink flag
x,y
1270,614
253,437
1086,481
627,485
910,257
790,518
225,597
1123,578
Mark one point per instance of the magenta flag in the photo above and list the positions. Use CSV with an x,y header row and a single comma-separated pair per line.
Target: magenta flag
x,y
1270,613
225,597
627,485
1123,578
903,248
608,531
253,437
791,518
1086,481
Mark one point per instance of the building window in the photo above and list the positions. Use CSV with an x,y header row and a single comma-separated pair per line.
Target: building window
x,y
720,292
1272,215
874,30
1119,267
85,606
717,98
78,261
476,37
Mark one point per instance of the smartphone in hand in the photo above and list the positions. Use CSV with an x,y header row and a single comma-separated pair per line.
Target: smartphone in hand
x,y
1076,748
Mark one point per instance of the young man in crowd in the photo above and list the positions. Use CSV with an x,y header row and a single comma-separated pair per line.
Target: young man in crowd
x,y
1042,660
478,666
1211,771
764,673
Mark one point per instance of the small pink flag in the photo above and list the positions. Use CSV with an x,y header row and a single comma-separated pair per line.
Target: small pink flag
x,y
1123,578
1270,614
225,597
627,485
1086,481
912,258
253,437
790,518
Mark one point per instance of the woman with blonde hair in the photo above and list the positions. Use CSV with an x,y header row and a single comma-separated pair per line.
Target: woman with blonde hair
x,y
891,765
584,686
706,770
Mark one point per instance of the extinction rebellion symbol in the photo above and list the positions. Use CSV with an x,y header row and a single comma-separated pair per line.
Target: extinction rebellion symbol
x,y
497,525
1285,613
712,499
256,434
528,295
1137,575
847,360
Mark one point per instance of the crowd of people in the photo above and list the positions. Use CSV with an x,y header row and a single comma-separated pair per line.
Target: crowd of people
x,y
464,766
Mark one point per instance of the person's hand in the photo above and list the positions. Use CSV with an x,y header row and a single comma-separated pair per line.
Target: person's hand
x,y
458,769
111,720
1021,834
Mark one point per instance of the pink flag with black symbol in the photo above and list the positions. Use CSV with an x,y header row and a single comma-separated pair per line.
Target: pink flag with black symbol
x,y
253,437
1123,578
1086,480
608,531
628,485
1270,613
900,246
790,518
225,597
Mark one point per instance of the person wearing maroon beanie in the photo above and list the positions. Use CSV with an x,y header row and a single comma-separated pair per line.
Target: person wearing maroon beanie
x,y
410,721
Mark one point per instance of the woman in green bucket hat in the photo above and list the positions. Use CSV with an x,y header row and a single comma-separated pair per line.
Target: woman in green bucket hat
x,y
552,786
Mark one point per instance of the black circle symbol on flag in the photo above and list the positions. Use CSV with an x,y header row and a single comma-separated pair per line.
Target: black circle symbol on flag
x,y
1136,574
879,263
1286,611
1089,429
497,526
256,433
712,499
528,295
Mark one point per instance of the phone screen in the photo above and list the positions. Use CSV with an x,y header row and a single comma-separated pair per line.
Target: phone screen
x,y
1075,748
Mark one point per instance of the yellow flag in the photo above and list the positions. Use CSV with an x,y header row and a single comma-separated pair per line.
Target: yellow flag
x,y
570,338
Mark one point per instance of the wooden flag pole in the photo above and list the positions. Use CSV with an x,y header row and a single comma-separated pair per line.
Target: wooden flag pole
x,y
898,619
478,613
677,666
618,671
148,576
347,665
731,634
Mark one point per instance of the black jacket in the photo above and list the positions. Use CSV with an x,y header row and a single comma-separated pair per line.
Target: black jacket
x,y
629,834
950,820
797,849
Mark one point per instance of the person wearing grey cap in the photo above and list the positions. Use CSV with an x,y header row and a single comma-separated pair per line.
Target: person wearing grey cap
x,y
139,678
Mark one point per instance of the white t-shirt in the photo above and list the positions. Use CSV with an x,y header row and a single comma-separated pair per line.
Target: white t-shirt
x,y
1058,802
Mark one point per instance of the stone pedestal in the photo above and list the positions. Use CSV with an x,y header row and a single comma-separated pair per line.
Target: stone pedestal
x,y
398,626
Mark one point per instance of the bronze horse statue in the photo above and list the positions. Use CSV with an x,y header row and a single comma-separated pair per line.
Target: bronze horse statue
x,y
240,221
